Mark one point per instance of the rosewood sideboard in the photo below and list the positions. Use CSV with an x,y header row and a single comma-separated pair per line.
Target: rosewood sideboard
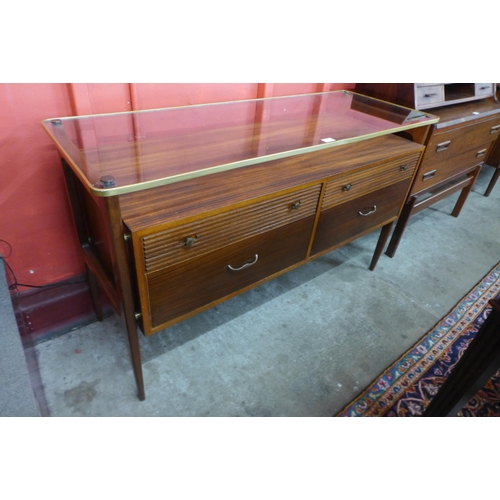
x,y
179,209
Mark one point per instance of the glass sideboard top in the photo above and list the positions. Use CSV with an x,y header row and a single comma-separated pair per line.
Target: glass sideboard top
x,y
123,152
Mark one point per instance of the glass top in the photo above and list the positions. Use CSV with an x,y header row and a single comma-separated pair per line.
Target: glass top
x,y
123,152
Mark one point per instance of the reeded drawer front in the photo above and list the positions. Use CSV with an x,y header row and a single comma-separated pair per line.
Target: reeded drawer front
x,y
196,238
180,289
352,185
353,218
447,144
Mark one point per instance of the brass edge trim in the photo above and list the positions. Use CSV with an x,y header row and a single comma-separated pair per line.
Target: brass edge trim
x,y
432,119
70,162
224,167
231,166
255,99
135,111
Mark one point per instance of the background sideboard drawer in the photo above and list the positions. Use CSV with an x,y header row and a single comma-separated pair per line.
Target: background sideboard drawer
x,y
351,185
456,141
192,285
440,171
429,94
351,219
483,88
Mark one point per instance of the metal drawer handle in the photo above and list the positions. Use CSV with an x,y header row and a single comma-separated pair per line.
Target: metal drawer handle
x,y
494,129
403,168
247,264
347,187
295,206
429,175
189,241
430,95
442,146
481,153
372,211
484,88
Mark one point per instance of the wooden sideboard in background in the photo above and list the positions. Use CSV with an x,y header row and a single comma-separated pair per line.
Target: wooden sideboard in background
x,y
458,145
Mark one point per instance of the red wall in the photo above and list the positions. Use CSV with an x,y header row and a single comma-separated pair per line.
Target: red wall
x,y
35,216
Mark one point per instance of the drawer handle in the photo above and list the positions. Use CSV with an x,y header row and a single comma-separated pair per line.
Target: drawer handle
x,y
347,187
481,153
372,211
403,168
484,87
295,206
494,129
443,145
247,264
189,241
429,175
430,95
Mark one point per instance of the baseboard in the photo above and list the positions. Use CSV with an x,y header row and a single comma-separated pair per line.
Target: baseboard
x,y
17,395
45,313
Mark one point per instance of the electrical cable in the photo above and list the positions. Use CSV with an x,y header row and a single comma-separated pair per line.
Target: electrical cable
x,y
16,284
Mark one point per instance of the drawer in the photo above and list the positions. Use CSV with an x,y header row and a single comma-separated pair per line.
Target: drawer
x,y
483,88
348,186
432,173
356,217
432,94
186,287
191,240
456,141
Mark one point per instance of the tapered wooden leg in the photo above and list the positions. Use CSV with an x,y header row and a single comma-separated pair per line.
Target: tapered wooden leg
x,y
493,181
465,192
125,289
382,240
400,227
135,351
94,293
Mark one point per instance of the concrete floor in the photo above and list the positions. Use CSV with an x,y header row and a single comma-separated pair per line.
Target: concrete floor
x,y
304,344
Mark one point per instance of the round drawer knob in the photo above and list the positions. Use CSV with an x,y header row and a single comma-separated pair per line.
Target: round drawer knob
x,y
295,206
403,168
347,187
189,241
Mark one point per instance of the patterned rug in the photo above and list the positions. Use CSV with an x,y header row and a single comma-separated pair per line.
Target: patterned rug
x,y
406,388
